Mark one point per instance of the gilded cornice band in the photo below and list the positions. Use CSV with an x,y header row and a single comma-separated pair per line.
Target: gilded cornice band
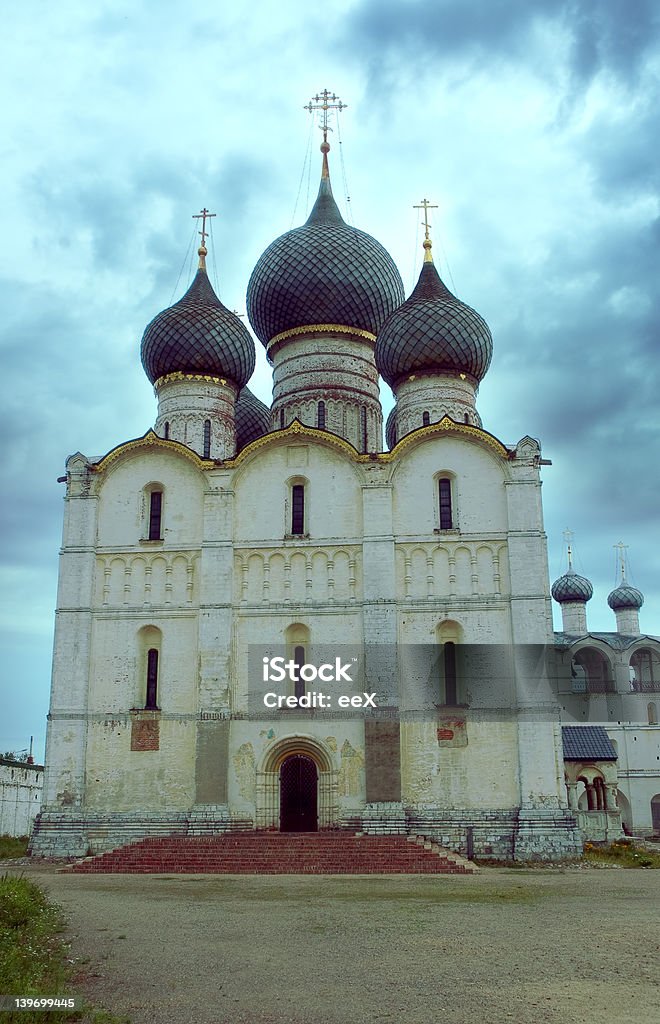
x,y
151,440
293,332
169,378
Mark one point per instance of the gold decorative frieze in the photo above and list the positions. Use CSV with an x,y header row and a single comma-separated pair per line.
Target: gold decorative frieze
x,y
294,332
169,378
151,440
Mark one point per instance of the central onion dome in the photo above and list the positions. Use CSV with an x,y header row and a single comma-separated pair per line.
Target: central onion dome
x,y
625,596
198,335
570,587
323,274
433,331
252,419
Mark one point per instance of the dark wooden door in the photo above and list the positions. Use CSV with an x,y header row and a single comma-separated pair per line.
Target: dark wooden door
x,y
299,787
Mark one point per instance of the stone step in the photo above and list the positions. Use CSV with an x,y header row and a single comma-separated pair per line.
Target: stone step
x,y
277,853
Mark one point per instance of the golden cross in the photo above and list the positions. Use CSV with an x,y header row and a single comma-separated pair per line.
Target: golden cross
x,y
204,215
325,101
622,555
426,206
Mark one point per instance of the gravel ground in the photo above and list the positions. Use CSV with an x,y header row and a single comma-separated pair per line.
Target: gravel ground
x,y
521,946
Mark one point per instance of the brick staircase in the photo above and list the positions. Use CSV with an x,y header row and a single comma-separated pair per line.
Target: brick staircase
x,y
279,853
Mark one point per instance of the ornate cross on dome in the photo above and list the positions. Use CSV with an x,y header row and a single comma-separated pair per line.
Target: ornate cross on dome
x,y
622,548
568,537
325,101
204,215
426,206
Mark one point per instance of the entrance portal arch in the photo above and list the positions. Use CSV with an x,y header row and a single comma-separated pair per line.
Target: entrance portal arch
x,y
289,766
299,794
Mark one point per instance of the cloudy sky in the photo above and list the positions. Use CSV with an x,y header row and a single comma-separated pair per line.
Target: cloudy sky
x,y
531,125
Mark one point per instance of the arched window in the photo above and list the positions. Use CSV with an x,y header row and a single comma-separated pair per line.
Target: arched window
x,y
363,427
449,659
149,646
299,659
591,672
281,419
426,419
207,439
152,679
444,503
320,416
297,639
298,509
166,434
466,418
449,635
644,671
155,515
652,713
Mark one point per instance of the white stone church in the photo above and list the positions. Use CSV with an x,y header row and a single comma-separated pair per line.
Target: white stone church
x,y
231,533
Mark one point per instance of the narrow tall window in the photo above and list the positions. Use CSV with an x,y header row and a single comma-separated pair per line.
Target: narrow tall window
x,y
298,509
207,439
466,418
363,425
320,416
444,491
426,419
281,419
167,430
155,514
299,659
152,679
449,654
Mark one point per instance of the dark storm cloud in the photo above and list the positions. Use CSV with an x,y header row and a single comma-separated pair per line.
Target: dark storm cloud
x,y
614,35
61,367
623,156
108,208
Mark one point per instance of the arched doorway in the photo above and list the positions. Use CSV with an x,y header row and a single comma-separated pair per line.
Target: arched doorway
x,y
323,773
655,812
299,793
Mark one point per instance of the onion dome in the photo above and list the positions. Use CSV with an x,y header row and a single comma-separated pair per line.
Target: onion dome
x,y
433,331
323,274
571,587
198,335
252,418
625,596
390,429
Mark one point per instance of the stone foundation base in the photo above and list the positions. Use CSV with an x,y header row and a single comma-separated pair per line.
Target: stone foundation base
x,y
545,835
380,819
501,834
76,834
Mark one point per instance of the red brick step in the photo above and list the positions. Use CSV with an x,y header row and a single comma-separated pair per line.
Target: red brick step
x,y
277,853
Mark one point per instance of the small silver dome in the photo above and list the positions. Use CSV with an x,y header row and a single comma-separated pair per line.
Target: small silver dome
x,y
571,587
625,596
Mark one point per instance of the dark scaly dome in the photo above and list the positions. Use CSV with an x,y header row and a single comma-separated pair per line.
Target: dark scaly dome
x,y
198,335
433,330
252,419
625,596
390,429
571,587
325,272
